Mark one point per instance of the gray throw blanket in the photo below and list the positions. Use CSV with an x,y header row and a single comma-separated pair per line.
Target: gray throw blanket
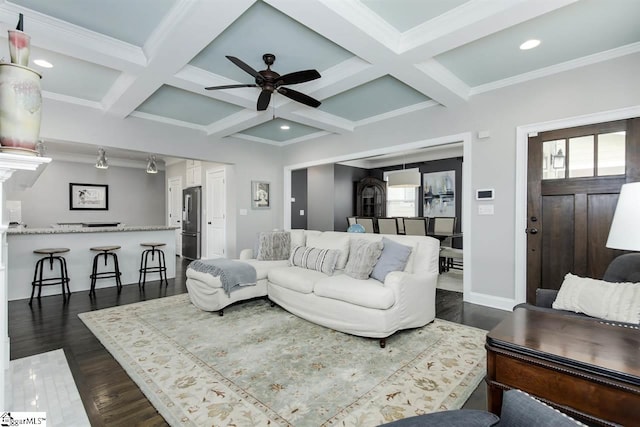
x,y
233,274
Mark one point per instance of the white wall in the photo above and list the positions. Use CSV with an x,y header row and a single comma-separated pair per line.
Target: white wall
x,y
135,197
601,87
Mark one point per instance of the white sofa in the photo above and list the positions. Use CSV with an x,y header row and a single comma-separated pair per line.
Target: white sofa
x,y
367,308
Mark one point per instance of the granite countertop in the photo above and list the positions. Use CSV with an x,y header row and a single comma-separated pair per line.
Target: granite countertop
x,y
63,230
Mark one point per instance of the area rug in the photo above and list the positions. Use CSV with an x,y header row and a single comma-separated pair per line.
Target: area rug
x,y
260,365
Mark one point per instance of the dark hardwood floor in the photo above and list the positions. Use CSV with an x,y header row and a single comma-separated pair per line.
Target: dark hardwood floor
x,y
109,396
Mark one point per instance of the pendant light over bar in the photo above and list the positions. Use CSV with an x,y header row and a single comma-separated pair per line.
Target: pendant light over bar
x,y
102,163
152,167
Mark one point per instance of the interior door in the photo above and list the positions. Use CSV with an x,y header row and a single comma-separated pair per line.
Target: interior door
x,y
216,213
574,178
174,210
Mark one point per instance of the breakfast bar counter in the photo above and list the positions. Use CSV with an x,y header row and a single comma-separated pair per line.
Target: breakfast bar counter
x,y
21,259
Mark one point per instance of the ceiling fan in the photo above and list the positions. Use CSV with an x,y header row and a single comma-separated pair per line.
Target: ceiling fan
x,y
271,81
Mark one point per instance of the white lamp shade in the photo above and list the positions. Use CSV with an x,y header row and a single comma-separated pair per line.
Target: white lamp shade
x,y
625,228
405,178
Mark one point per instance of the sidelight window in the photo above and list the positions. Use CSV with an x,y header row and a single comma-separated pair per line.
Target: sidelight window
x,y
584,156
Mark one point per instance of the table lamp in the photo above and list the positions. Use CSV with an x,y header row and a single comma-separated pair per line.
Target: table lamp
x,y
625,227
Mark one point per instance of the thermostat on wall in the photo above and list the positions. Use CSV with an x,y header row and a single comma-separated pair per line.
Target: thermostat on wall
x,y
485,194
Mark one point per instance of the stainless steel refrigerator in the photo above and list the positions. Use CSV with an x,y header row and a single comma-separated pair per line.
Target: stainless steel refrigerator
x,y
191,212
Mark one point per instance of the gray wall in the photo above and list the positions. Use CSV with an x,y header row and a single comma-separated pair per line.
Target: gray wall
x,y
135,197
344,182
299,193
320,198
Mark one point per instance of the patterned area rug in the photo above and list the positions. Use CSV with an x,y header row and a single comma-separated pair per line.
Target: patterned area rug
x,y
260,365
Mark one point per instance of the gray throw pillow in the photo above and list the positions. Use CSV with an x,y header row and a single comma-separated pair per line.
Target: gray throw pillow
x,y
394,257
274,246
363,256
323,260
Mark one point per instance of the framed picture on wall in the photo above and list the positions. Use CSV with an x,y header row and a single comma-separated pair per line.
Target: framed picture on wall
x,y
93,197
439,193
260,195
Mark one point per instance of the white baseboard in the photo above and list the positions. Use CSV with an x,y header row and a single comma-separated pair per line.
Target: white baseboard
x,y
489,301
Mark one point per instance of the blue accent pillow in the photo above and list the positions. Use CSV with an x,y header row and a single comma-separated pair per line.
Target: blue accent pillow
x,y
394,257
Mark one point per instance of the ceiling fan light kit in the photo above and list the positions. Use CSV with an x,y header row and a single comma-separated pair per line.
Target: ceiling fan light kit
x,y
269,81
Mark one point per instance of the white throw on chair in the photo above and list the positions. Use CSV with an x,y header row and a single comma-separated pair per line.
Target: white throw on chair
x,y
387,226
415,226
367,223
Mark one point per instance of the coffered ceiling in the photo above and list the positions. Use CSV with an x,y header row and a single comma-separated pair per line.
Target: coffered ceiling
x,y
378,59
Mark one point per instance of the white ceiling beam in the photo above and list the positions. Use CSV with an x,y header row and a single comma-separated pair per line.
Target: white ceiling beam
x,y
170,47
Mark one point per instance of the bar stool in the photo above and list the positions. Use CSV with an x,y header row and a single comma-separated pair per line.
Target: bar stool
x,y
105,251
144,268
39,281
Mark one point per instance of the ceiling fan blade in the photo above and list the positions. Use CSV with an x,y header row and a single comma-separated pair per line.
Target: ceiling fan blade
x,y
247,68
297,77
299,97
229,86
263,99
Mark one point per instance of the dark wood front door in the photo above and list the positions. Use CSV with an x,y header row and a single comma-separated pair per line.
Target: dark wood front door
x,y
574,178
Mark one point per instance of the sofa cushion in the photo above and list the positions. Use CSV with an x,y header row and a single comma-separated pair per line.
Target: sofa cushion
x,y
298,238
331,240
363,256
365,293
295,278
274,246
611,301
323,260
393,258
263,267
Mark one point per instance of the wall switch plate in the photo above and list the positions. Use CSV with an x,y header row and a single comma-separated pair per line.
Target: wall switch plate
x,y
243,211
293,200
485,210
301,212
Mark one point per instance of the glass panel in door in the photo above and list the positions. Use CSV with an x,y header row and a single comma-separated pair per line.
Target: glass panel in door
x,y
581,156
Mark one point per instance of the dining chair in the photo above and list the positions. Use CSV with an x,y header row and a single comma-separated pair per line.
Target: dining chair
x,y
387,226
367,223
400,223
350,221
415,226
444,225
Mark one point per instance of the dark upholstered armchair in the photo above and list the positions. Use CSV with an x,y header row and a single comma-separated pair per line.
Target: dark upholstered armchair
x,y
625,268
518,410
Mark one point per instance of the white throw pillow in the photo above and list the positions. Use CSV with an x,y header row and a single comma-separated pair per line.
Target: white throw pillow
x,y
331,240
619,302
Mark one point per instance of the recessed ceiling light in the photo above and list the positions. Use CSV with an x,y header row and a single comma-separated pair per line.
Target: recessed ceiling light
x,y
285,127
43,63
530,44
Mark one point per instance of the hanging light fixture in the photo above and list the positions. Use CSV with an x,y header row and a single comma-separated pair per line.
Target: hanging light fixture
x,y
405,178
152,167
102,163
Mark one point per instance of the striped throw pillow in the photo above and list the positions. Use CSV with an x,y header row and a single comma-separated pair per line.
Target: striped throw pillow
x,y
323,260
